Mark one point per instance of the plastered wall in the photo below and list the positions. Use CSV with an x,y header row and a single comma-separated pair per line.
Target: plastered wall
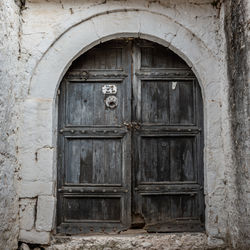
x,y
9,25
44,39
237,34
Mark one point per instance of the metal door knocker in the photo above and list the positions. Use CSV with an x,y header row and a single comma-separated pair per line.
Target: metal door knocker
x,y
111,102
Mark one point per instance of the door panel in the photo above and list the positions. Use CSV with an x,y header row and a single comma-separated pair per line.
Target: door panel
x,y
167,159
94,161
159,209
171,212
139,164
85,104
108,56
155,102
182,102
87,209
155,56
168,102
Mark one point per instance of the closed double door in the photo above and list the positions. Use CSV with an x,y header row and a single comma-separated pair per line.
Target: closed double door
x,y
130,142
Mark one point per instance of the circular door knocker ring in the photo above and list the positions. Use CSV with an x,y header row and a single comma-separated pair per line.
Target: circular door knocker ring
x,y
111,102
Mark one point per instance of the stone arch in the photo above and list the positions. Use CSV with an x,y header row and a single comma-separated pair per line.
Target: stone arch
x,y
105,26
40,106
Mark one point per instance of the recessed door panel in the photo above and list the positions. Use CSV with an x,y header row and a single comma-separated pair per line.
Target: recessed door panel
x,y
85,104
166,159
160,209
168,102
94,161
108,56
155,102
159,57
87,209
182,102
171,212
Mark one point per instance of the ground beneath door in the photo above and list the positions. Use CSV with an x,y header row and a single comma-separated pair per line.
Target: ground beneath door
x,y
130,240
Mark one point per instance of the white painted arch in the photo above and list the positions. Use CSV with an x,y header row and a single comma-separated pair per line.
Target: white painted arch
x,y
120,23
40,108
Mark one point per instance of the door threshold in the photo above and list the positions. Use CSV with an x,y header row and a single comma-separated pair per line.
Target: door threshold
x,y
129,232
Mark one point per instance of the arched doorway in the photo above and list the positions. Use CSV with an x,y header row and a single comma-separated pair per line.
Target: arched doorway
x,y
130,143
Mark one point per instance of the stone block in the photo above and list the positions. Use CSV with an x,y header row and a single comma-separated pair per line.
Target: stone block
x,y
156,29
27,213
32,189
45,213
37,165
36,124
34,237
129,22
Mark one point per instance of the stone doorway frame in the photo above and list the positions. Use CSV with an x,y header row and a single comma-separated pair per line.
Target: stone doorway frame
x,y
38,127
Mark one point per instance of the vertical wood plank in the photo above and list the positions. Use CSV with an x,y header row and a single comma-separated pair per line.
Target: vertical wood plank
x,y
174,103
86,161
186,107
163,168
73,169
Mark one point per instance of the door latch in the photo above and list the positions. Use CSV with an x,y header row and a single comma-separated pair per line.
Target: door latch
x,y
136,125
128,125
132,125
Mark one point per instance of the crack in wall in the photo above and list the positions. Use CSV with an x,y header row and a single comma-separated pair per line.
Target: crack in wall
x,y
44,147
21,4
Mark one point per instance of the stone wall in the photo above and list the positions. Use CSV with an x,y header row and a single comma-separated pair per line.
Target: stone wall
x,y
56,32
9,53
237,30
40,40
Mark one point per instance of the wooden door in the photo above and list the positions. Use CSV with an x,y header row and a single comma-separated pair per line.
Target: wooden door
x,y
130,142
94,177
168,142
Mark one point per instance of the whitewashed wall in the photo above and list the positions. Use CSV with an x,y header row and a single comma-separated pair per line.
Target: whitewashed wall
x,y
53,33
9,26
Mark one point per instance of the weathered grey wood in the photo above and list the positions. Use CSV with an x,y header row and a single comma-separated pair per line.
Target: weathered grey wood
x,y
73,161
104,56
140,164
85,105
181,159
155,102
95,172
167,159
86,161
155,56
182,103
89,209
164,156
